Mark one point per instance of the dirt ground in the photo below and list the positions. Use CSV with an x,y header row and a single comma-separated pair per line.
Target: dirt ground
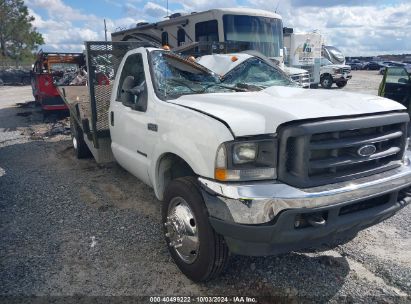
x,y
73,227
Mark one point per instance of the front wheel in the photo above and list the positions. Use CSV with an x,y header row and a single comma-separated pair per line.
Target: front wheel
x,y
199,252
326,81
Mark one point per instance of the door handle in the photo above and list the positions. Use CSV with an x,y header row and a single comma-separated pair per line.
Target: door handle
x,y
112,118
152,127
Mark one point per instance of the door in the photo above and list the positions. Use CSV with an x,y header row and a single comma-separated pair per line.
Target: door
x,y
132,123
397,85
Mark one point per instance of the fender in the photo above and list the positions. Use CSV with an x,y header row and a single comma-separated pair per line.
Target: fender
x,y
191,135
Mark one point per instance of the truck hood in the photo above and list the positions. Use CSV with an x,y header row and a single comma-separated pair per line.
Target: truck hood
x,y
253,113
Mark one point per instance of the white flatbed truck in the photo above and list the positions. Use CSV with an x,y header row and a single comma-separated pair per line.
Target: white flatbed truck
x,y
251,172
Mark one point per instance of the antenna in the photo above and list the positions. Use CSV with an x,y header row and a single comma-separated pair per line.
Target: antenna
x,y
167,9
276,8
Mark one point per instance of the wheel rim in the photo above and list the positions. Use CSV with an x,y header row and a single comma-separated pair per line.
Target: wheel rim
x,y
326,82
182,232
75,143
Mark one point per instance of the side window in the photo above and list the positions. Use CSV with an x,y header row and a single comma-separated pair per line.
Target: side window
x,y
397,75
132,77
164,38
207,31
181,36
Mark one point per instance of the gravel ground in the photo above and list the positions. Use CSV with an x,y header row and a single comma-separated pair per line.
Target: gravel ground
x,y
73,227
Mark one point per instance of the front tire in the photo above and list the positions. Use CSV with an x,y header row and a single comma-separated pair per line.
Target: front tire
x,y
326,81
77,136
198,251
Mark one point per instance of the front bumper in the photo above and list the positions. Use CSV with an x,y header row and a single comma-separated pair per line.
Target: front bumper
x,y
259,218
341,77
282,236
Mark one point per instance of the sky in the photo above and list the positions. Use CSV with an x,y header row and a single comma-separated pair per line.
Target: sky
x,y
357,27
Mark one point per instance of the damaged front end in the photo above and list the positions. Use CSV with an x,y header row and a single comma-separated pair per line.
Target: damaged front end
x,y
263,218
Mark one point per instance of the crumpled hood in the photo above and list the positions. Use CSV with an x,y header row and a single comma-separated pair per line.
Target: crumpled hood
x,y
253,113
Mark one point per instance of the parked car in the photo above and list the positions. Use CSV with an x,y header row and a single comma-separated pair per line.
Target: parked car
x,y
396,85
356,65
372,66
334,73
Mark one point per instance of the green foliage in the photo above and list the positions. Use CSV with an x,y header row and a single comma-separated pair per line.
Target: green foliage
x,y
18,37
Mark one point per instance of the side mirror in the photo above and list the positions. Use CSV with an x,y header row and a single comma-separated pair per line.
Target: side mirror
x,y
130,93
140,96
126,97
137,90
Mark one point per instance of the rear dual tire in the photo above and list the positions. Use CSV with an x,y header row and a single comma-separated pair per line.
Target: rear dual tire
x,y
341,84
77,136
198,251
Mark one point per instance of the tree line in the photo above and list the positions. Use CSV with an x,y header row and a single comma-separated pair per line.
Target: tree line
x,y
18,37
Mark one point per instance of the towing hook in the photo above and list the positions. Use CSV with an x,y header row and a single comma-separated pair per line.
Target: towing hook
x,y
406,196
316,220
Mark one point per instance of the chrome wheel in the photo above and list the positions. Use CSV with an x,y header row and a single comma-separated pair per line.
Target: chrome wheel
x,y
182,232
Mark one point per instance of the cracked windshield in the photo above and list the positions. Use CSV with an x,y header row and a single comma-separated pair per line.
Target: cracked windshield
x,y
176,76
255,74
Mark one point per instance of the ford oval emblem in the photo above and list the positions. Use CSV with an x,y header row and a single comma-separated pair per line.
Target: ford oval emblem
x,y
366,150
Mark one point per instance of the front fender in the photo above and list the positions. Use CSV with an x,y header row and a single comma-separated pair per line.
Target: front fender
x,y
192,136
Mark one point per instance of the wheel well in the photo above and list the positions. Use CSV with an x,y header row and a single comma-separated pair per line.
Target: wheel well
x,y
324,75
170,167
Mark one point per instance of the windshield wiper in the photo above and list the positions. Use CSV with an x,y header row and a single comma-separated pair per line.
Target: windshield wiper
x,y
225,87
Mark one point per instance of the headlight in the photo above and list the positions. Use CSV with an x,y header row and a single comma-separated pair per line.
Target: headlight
x,y
244,153
247,160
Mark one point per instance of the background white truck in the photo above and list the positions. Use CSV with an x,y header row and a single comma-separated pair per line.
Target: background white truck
x,y
303,51
333,68
252,172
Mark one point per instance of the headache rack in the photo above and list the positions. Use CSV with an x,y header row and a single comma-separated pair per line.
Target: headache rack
x,y
316,153
89,103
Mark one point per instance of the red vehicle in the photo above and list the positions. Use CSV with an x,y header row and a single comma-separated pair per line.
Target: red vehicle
x,y
48,69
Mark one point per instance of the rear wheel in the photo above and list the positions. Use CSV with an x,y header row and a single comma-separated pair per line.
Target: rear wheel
x,y
341,84
77,137
198,251
326,81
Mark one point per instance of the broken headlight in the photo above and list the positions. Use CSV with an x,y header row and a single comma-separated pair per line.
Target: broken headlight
x,y
248,159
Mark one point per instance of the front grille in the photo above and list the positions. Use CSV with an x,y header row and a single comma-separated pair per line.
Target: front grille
x,y
310,71
322,152
302,79
346,70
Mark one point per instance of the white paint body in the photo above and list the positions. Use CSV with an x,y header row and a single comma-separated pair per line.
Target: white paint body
x,y
193,126
332,68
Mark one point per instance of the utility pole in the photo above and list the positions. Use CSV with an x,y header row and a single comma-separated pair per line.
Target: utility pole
x,y
105,30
